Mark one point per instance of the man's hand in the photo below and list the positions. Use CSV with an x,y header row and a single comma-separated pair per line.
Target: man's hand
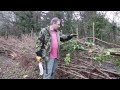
x,y
73,35
38,58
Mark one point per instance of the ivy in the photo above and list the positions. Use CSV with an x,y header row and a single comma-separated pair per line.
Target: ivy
x,y
67,59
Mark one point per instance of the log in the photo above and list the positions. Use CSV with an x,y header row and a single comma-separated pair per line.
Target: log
x,y
115,53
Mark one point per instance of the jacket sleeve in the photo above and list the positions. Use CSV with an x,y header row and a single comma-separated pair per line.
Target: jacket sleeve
x,y
40,44
64,37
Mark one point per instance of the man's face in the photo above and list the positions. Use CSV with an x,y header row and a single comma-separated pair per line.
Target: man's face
x,y
56,25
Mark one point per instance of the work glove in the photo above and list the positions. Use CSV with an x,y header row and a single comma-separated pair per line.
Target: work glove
x,y
38,58
40,68
73,35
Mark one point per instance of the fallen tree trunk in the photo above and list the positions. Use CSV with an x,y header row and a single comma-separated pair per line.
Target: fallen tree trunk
x,y
115,53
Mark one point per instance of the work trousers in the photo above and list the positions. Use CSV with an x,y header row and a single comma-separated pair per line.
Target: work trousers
x,y
50,68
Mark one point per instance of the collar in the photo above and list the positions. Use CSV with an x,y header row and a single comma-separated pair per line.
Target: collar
x,y
54,30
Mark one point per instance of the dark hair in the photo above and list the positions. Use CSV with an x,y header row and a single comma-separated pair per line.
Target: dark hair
x,y
54,20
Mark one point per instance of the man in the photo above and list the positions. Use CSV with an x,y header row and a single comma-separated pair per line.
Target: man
x,y
48,45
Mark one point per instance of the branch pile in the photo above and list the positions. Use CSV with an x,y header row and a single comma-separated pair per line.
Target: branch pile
x,y
83,67
22,51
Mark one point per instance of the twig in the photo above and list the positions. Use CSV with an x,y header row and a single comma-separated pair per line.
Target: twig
x,y
74,65
90,73
114,73
103,73
80,76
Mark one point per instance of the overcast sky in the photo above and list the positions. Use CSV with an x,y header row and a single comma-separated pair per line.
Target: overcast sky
x,y
113,16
